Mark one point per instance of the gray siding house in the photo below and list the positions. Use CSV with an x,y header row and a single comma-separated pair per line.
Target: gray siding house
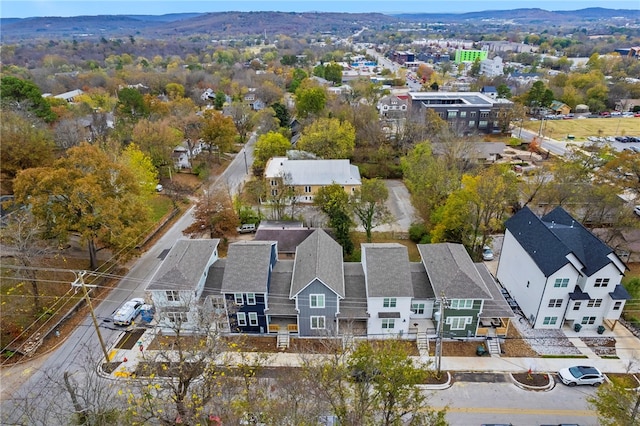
x,y
317,284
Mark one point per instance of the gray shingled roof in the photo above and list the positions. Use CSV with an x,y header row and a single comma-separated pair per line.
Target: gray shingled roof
x,y
278,299
452,272
288,238
387,270
422,288
184,265
247,269
313,172
497,306
319,256
213,284
354,304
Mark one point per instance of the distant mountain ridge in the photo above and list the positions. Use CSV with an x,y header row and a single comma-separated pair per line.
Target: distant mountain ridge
x,y
228,24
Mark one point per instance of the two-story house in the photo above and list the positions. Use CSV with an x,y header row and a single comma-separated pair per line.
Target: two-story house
x,y
246,282
389,288
307,176
458,285
317,284
177,286
559,273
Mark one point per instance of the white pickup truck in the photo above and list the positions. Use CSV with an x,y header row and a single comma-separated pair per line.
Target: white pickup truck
x,y
128,312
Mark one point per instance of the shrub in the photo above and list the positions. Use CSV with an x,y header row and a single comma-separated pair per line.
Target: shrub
x,y
419,234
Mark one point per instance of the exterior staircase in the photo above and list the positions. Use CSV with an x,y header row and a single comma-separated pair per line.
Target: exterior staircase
x,y
493,345
282,340
422,341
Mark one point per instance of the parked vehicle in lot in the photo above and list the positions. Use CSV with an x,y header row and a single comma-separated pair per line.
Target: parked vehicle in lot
x,y
247,228
581,375
636,210
128,312
487,253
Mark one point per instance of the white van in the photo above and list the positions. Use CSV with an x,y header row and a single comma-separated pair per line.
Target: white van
x,y
128,312
247,228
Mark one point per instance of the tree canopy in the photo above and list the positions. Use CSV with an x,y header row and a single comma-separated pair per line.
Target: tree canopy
x,y
15,90
267,146
328,138
88,194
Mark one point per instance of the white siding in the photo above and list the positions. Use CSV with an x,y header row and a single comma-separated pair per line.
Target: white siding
x,y
401,326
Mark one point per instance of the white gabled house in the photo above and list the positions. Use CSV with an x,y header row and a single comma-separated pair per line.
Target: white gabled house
x,y
389,288
177,287
559,273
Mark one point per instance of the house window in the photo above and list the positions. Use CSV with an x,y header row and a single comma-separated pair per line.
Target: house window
x,y
251,298
550,320
452,114
173,296
242,319
238,298
588,320
616,306
317,323
576,306
461,304
561,282
472,123
601,282
484,114
458,323
555,303
417,308
307,189
388,323
274,192
389,302
472,114
253,318
316,301
463,114
274,182
177,317
483,123
594,303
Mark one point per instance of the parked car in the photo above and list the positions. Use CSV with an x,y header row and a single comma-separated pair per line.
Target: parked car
x,y
636,210
487,253
247,228
581,375
128,312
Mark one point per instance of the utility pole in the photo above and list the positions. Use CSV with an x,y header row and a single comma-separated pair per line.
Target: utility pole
x,y
79,282
443,302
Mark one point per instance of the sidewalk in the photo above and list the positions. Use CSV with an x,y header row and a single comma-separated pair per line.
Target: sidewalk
x,y
627,349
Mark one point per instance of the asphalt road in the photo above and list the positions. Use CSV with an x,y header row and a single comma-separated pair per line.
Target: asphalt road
x,y
40,392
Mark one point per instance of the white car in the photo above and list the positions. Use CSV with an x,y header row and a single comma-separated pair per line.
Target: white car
x,y
128,312
636,210
581,375
487,253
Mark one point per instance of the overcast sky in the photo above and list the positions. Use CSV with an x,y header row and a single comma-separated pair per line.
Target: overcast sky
x,y
29,8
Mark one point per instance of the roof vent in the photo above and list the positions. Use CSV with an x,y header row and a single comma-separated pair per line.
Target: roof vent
x,y
553,222
572,222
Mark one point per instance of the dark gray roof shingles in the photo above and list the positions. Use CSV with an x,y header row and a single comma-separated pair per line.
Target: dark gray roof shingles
x,y
387,270
247,269
184,265
319,256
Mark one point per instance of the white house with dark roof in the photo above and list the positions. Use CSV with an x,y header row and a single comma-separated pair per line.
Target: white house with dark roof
x,y
559,273
177,287
307,176
389,288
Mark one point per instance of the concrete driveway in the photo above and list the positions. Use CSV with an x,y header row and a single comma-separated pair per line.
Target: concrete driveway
x,y
399,204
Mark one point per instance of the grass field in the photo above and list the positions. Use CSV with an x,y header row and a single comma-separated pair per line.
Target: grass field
x,y
581,129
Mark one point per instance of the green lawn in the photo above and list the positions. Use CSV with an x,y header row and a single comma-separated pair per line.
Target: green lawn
x,y
581,129
160,206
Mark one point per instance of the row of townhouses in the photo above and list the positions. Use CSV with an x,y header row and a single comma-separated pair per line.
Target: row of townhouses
x,y
556,270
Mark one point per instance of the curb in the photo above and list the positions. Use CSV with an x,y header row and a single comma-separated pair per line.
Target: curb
x,y
442,386
544,388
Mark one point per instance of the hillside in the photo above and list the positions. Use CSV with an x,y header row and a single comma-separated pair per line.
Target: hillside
x,y
235,24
